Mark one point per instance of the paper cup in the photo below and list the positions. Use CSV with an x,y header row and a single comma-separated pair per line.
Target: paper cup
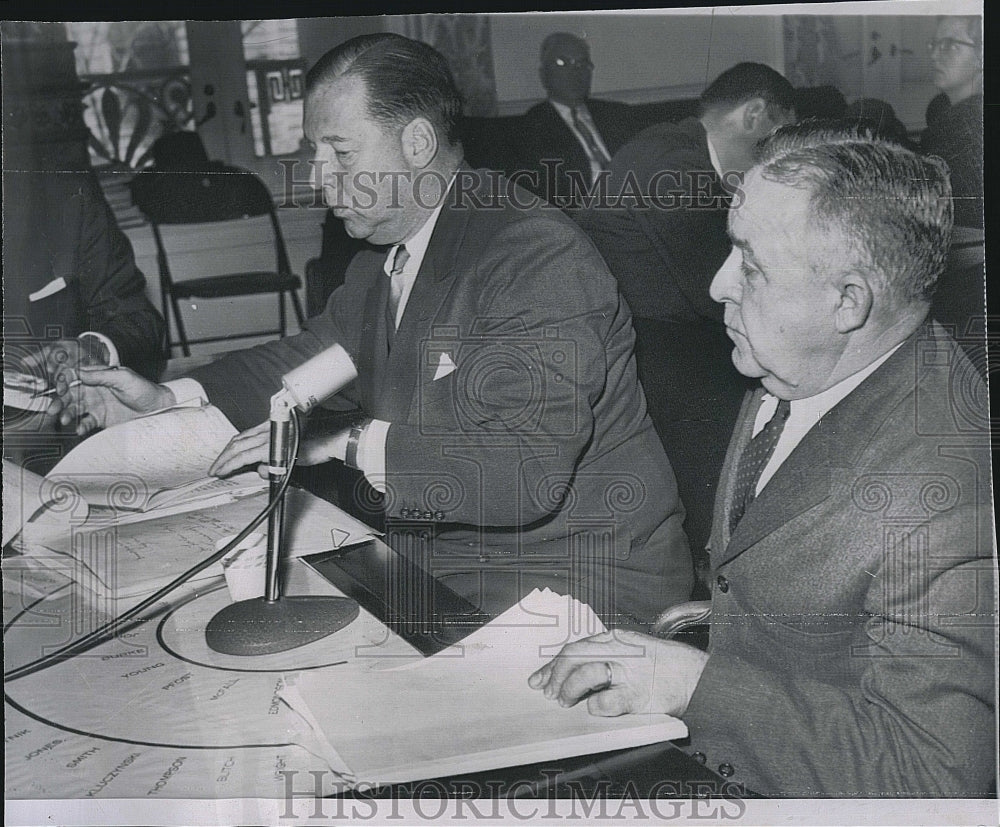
x,y
244,566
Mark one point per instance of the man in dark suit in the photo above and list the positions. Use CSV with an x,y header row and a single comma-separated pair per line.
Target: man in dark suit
x,y
662,232
567,140
69,271
489,353
853,627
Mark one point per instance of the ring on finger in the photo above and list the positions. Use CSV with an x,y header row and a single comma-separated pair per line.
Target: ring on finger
x,y
610,679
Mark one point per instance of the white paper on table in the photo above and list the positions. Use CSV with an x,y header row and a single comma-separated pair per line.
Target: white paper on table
x,y
23,504
131,466
125,558
467,710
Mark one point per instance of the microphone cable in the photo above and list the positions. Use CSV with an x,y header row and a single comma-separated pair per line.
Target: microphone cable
x,y
110,629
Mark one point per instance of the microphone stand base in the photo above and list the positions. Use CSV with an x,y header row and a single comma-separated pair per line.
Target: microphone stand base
x,y
257,627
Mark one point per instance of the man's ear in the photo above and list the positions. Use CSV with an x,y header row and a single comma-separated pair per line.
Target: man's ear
x,y
420,142
855,302
754,115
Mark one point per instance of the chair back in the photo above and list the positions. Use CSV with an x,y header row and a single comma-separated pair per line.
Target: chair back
x,y
215,194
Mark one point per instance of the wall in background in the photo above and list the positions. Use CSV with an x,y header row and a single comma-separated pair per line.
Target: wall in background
x,y
637,57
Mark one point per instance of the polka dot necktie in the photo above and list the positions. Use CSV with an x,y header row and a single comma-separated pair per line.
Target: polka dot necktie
x,y
753,461
395,290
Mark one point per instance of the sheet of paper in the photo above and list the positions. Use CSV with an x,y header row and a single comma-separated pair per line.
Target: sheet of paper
x,y
125,465
126,558
23,502
23,391
468,708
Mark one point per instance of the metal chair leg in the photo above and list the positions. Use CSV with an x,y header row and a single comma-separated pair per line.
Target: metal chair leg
x,y
299,316
185,348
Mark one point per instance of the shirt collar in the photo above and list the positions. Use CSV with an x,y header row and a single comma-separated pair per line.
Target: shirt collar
x,y
564,110
808,411
712,156
417,244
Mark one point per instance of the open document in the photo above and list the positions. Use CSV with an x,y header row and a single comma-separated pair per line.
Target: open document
x,y
469,708
153,463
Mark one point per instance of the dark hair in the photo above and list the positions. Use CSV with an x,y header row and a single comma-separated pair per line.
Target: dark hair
x,y
745,81
893,205
880,117
403,78
820,102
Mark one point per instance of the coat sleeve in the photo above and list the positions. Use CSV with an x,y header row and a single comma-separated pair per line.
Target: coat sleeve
x,y
505,432
112,290
917,716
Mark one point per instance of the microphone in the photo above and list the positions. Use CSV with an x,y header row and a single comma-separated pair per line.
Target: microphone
x,y
269,624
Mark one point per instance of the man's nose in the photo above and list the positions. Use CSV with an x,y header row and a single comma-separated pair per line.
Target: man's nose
x,y
725,286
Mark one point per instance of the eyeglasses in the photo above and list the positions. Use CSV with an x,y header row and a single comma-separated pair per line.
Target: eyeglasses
x,y
574,62
947,45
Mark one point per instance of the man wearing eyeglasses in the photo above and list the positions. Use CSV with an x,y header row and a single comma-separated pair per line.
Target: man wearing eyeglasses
x,y
569,135
955,132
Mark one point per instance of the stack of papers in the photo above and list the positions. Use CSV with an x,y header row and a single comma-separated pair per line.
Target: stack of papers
x,y
468,708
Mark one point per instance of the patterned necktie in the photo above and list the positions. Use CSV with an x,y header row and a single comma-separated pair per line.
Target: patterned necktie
x,y
598,155
395,290
753,460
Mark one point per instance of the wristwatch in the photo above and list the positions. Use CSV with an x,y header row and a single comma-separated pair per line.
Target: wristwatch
x,y
351,454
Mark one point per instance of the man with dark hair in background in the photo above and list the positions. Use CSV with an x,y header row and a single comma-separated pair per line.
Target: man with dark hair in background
x,y
663,241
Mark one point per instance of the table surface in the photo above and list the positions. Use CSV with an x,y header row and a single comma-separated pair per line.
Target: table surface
x,y
155,712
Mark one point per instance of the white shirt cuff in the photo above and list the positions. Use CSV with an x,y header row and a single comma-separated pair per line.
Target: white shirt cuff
x,y
186,390
113,358
371,453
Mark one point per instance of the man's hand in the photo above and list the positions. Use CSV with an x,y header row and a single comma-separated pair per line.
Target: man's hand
x,y
252,447
95,397
620,672
52,358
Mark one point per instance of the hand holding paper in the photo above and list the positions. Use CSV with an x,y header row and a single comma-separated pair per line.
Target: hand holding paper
x,y
252,445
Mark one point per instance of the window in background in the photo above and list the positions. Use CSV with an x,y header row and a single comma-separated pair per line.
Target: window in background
x,y
275,84
138,85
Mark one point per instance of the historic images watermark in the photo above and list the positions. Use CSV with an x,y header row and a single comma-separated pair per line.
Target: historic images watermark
x,y
486,189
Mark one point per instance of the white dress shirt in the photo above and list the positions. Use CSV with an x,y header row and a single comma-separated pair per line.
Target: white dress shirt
x,y
804,414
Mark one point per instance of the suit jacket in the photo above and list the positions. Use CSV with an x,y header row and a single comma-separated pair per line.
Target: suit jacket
x,y
58,225
853,634
519,431
544,135
664,251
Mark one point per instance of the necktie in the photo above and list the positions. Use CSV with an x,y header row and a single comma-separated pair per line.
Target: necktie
x,y
395,290
597,154
753,461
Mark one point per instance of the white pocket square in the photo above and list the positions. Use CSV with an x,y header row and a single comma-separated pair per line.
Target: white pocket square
x,y
444,367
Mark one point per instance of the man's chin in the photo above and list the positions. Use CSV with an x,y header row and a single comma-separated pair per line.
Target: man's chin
x,y
353,226
746,365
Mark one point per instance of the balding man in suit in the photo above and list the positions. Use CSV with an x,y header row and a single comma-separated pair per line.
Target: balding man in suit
x,y
567,141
